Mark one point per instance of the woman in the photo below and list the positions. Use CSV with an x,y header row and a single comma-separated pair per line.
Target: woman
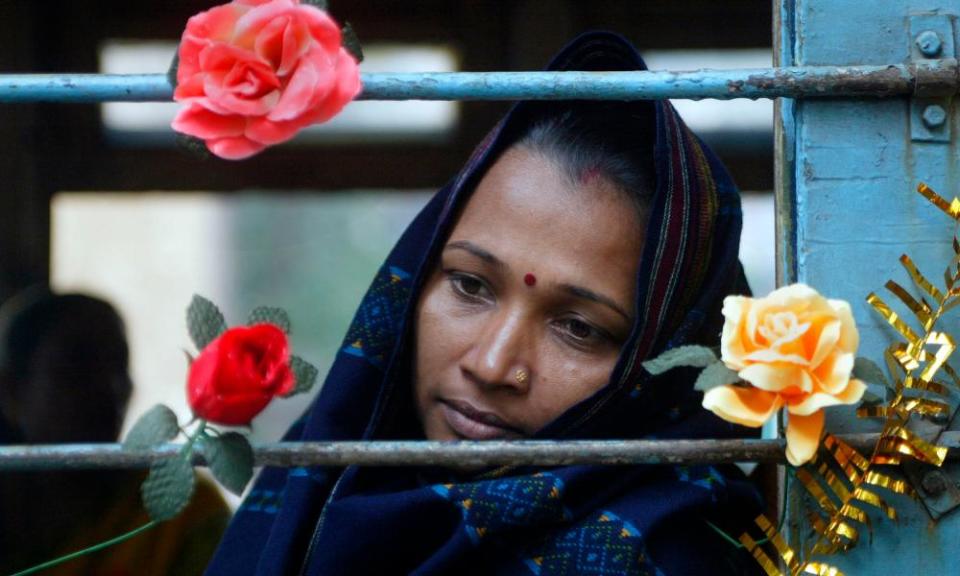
x,y
580,239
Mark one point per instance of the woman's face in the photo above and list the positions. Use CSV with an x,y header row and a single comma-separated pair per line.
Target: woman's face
x,y
532,299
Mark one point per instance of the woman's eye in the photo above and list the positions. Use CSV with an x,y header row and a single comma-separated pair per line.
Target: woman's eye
x,y
469,287
581,332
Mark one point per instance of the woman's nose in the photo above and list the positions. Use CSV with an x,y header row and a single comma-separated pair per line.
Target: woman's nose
x,y
500,355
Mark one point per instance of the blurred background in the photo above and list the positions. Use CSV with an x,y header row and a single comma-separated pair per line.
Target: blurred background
x,y
100,199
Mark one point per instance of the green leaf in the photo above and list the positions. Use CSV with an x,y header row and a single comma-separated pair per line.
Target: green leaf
x,y
156,426
204,321
321,4
695,356
168,488
716,374
230,458
867,370
268,315
172,70
351,42
304,374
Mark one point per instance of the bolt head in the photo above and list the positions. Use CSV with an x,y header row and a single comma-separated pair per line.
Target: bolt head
x,y
934,116
929,43
934,483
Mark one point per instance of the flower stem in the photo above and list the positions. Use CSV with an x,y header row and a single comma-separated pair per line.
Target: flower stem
x,y
185,453
89,550
783,516
187,449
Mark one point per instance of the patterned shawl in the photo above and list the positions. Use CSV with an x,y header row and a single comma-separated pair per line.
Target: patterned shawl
x,y
559,520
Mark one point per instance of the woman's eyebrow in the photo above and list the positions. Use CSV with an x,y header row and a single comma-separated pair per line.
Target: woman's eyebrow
x,y
572,289
477,251
587,294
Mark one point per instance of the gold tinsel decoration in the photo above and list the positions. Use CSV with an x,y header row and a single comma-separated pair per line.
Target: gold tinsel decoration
x,y
846,484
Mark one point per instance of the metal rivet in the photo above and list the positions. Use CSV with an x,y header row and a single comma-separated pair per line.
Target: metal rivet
x,y
933,483
929,43
934,116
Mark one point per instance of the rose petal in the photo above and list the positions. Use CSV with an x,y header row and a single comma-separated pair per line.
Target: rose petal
x,y
817,401
188,59
200,379
732,339
849,337
769,356
323,29
346,89
853,393
834,372
234,148
746,406
803,436
826,341
236,99
296,43
311,81
268,44
210,105
222,57
259,17
197,121
286,382
785,296
216,23
236,409
189,87
268,133
779,377
348,78
752,319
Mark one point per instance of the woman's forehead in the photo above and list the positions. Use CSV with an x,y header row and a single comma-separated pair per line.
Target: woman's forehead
x,y
530,216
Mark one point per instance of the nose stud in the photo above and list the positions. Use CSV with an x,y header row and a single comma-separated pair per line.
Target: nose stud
x,y
521,376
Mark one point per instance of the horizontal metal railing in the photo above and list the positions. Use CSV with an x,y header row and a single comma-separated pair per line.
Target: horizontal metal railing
x,y
929,78
423,453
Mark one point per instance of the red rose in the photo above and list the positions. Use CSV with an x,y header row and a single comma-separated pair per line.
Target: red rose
x,y
254,72
237,375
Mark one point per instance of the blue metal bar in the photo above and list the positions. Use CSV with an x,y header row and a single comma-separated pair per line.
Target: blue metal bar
x,y
424,453
937,77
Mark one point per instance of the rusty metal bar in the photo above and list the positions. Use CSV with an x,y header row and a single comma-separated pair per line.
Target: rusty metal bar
x,y
928,79
404,453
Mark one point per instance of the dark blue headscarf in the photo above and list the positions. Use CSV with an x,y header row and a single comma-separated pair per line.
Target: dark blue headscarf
x,y
561,520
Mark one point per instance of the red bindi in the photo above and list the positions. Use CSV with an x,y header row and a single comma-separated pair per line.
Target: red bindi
x,y
589,175
529,279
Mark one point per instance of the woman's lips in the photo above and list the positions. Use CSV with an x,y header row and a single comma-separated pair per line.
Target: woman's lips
x,y
473,424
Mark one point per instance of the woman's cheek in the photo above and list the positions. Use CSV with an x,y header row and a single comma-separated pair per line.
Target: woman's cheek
x,y
564,382
437,323
439,336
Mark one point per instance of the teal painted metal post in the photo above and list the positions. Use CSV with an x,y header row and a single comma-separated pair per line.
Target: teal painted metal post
x,y
848,171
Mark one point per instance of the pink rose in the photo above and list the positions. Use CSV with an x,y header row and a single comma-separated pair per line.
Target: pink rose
x,y
254,72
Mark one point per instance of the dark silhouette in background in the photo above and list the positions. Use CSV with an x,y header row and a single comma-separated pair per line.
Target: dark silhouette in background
x,y
64,379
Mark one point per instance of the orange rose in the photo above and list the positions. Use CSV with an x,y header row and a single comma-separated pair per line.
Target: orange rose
x,y
796,349
254,72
